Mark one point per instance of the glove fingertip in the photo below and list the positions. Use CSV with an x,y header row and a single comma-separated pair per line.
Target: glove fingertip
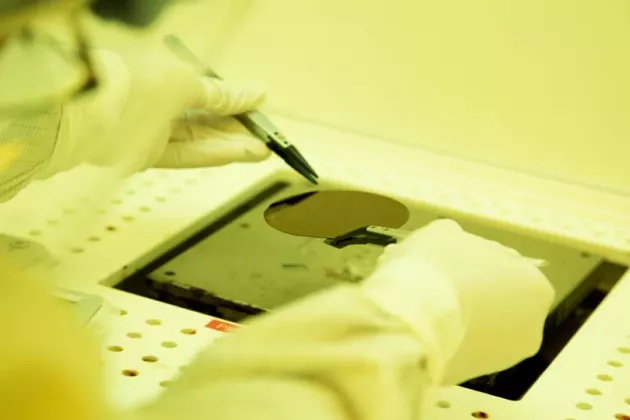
x,y
256,90
255,99
256,152
446,224
437,229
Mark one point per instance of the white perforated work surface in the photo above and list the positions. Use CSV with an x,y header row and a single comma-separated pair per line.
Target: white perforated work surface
x,y
156,209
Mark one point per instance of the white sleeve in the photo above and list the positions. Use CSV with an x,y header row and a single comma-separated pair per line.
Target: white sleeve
x,y
38,145
27,143
364,352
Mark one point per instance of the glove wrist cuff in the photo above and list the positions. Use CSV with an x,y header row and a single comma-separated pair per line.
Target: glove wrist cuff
x,y
423,298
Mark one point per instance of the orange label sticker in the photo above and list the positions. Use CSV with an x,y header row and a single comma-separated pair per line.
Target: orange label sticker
x,y
222,326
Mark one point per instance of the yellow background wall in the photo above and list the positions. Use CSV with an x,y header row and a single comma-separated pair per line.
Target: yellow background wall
x,y
541,85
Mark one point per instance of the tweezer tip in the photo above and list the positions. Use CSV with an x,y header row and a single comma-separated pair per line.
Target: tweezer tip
x,y
303,161
311,179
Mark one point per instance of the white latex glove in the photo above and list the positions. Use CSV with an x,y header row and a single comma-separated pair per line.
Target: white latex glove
x,y
442,307
483,307
152,110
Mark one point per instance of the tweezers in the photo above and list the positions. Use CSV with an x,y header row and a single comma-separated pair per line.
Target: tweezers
x,y
256,122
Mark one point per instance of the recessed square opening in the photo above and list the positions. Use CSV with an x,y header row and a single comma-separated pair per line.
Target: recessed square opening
x,y
237,266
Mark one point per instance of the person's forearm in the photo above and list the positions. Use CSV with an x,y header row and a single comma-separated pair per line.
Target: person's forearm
x,y
333,356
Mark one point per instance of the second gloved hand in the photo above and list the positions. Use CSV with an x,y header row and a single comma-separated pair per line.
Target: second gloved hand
x,y
478,306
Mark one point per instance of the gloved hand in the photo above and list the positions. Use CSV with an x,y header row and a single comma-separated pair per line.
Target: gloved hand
x,y
478,306
152,110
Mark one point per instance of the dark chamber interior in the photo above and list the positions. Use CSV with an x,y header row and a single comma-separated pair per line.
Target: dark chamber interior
x,y
511,384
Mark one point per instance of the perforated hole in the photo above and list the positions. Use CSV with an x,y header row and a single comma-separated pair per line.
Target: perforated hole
x,y
35,232
593,391
115,349
154,322
169,273
444,404
624,350
605,378
480,415
52,222
123,312
188,331
134,335
130,193
615,363
117,202
94,239
160,199
627,401
128,219
584,406
165,384
169,344
130,372
175,190
111,228
77,250
144,209
150,359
